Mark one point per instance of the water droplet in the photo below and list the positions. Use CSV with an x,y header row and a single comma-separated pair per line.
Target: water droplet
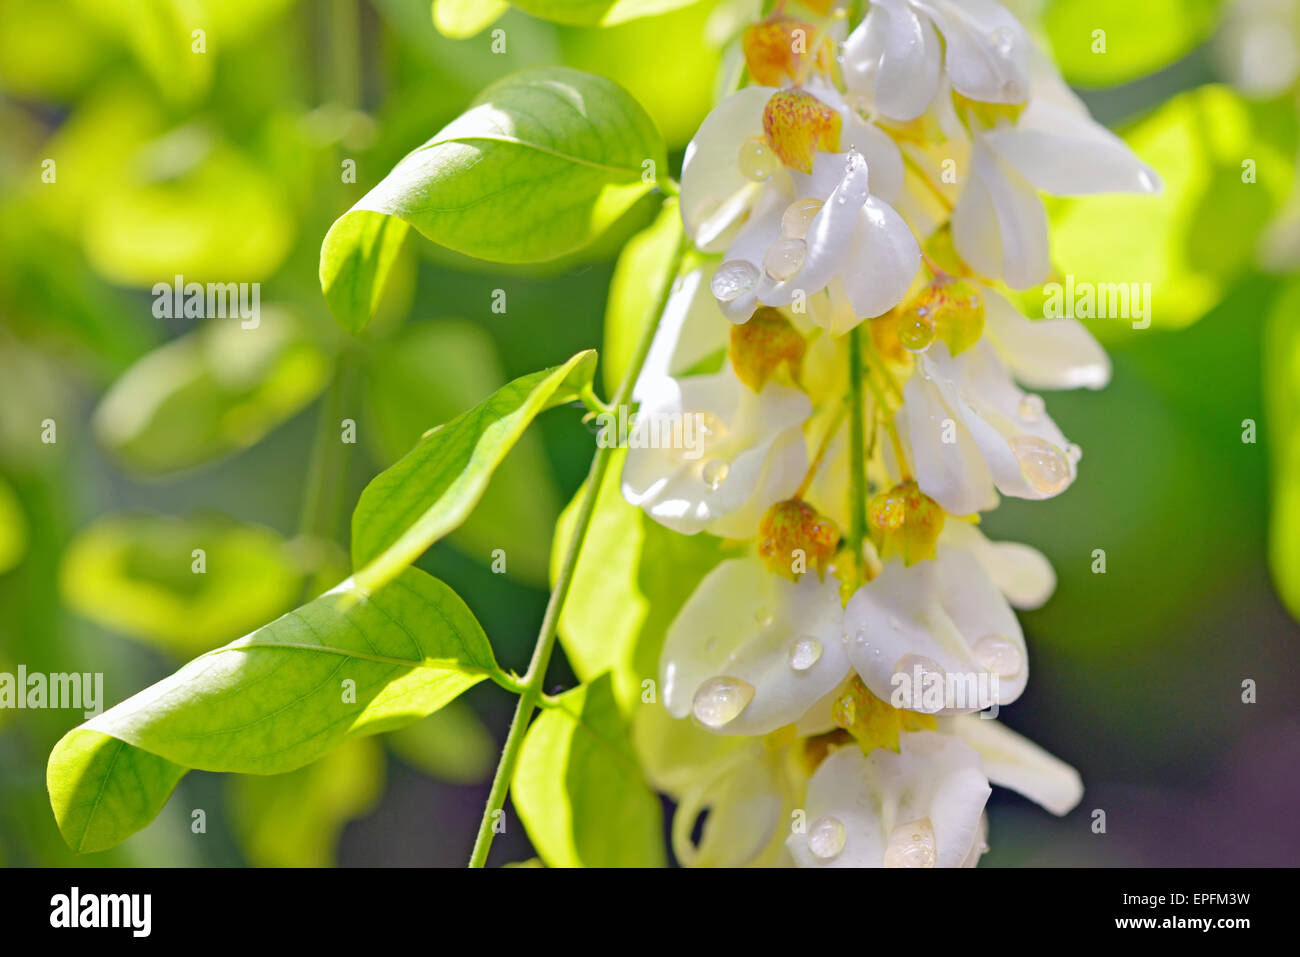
x,y
1003,41
757,160
997,654
1073,453
911,845
714,473
895,624
733,279
798,216
764,616
915,330
826,838
921,683
784,258
805,653
719,701
1031,407
1043,465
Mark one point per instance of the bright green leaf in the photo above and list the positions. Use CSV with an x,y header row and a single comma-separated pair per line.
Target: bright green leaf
x,y
435,487
632,577
579,789
541,164
588,13
460,19
136,574
1108,42
355,260
210,393
344,665
425,377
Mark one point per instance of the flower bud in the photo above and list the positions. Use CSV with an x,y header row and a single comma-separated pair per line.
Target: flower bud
x,y
874,723
794,536
948,309
760,346
778,52
797,125
906,522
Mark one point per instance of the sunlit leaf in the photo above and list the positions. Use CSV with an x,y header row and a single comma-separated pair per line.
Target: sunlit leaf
x,y
1107,42
344,665
136,574
212,392
460,19
426,376
579,790
597,12
433,489
542,163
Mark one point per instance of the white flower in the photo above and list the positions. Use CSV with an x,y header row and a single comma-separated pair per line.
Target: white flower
x,y
999,224
750,651
709,453
690,330
945,626
971,433
895,55
798,233
923,806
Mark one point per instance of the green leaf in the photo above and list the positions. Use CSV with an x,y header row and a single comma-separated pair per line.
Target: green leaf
x,y
632,577
540,165
1139,38
589,13
460,19
1282,409
641,270
344,665
435,487
210,393
579,789
355,259
295,819
135,574
424,377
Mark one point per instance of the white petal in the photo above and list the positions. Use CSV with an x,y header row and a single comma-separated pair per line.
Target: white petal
x,y
895,56
933,776
692,329
1021,219
714,192
988,51
1015,762
953,473
741,622
750,245
1045,353
1022,574
882,262
940,610
745,804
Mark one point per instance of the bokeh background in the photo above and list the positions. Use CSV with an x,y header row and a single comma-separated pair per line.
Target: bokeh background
x,y
226,166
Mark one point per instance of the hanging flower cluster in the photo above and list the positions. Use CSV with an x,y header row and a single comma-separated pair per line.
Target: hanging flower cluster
x,y
826,696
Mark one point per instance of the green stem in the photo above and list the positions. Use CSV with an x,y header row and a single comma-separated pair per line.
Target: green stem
x,y
536,674
327,473
857,448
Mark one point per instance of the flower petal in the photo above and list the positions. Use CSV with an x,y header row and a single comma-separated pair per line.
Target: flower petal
x,y
895,56
945,459
743,622
988,51
1022,574
1015,762
1045,353
884,260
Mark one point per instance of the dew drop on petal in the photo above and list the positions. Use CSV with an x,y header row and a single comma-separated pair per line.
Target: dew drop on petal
x,y
826,838
805,652
1003,41
757,160
911,845
784,258
920,678
764,616
1073,453
798,216
1031,407
714,473
997,654
733,279
915,331
1043,465
719,701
